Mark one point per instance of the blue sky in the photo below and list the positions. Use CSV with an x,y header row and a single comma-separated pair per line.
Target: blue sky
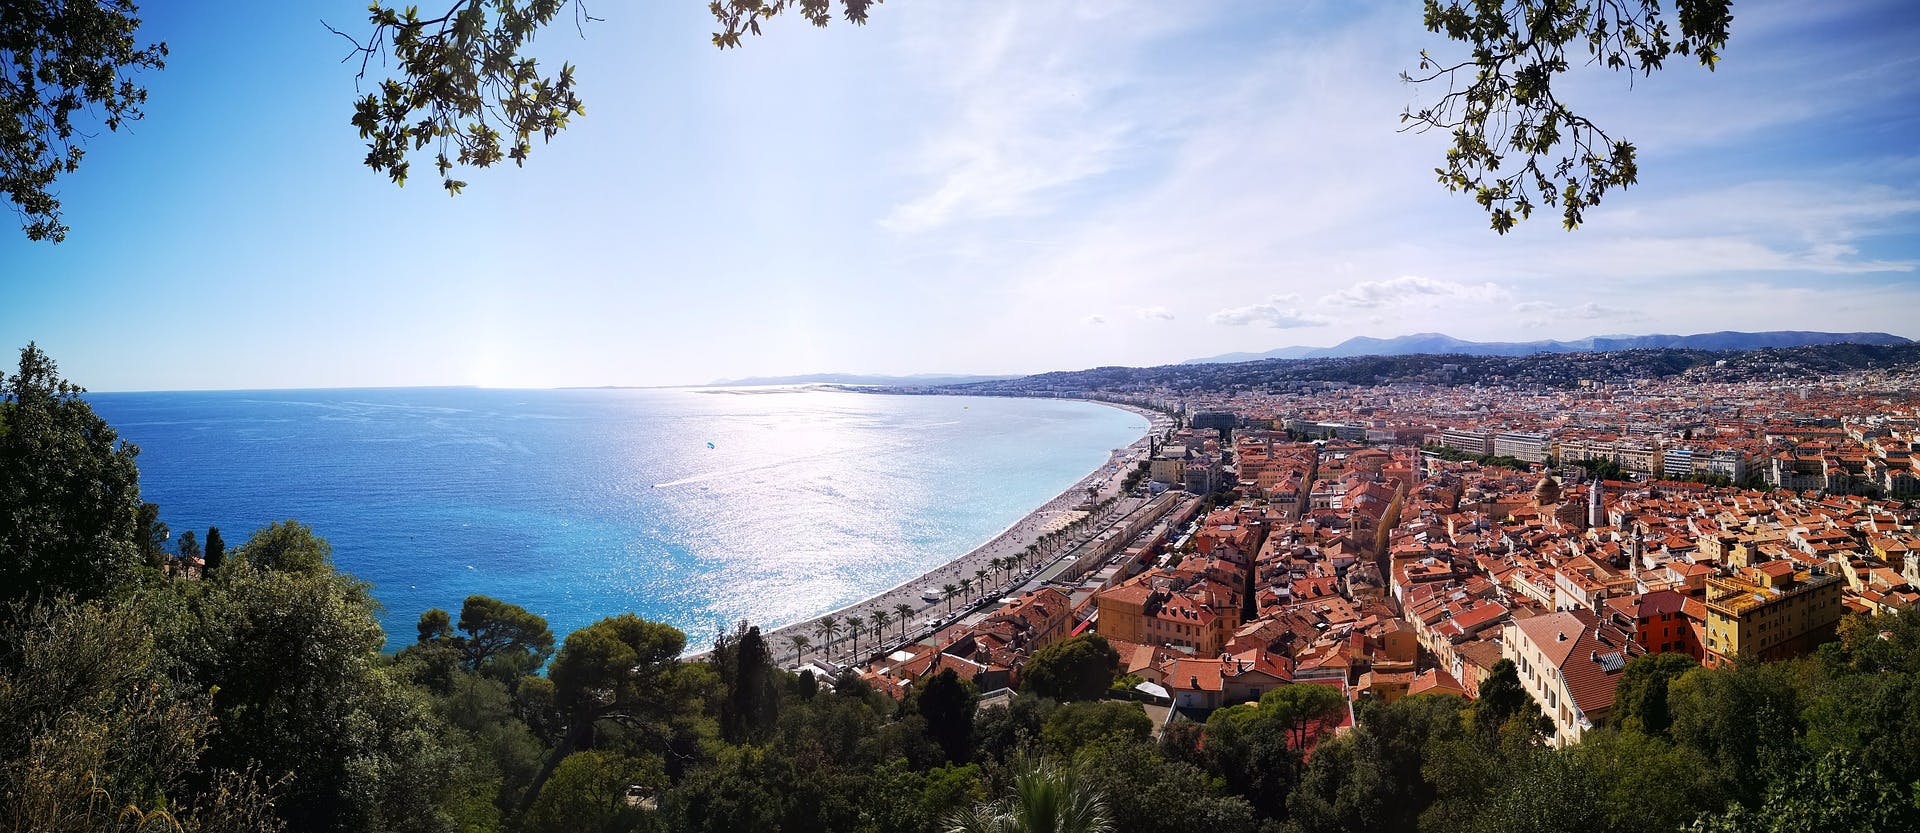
x,y
993,186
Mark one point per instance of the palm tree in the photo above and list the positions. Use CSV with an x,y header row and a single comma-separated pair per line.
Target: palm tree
x,y
854,624
906,613
827,627
949,589
1046,799
966,589
800,645
879,619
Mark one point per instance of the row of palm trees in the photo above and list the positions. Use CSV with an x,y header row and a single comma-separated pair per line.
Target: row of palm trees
x,y
831,628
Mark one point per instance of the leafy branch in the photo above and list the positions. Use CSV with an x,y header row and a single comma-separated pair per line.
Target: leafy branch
x,y
1501,102
58,59
743,17
462,85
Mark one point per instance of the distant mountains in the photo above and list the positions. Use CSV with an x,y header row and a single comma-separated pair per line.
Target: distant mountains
x,y
928,379
1438,343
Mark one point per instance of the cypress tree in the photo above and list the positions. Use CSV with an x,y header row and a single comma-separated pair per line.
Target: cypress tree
x,y
216,549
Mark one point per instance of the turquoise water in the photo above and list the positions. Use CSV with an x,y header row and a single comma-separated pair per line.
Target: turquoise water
x,y
580,504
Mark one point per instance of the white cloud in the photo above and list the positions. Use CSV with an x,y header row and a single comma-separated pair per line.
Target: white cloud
x,y
1371,294
1156,313
1277,312
1094,320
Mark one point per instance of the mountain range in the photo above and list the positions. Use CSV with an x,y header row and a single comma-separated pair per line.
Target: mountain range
x,y
1439,343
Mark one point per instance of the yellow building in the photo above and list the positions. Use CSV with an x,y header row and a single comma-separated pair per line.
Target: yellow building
x,y
1135,612
1771,611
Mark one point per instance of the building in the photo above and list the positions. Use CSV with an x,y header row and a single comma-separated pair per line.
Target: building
x,y
1169,466
1570,662
1522,445
1218,420
1467,440
1770,611
1679,463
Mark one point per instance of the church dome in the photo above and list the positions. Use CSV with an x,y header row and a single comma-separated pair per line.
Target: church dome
x,y
1547,491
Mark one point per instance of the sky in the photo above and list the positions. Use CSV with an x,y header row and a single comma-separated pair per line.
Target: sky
x,y
995,186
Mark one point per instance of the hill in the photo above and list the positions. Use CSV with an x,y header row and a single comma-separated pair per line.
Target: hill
x,y
1442,344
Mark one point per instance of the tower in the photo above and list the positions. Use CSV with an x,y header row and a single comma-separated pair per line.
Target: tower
x,y
1596,505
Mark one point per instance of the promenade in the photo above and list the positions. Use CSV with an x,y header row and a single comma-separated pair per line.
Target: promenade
x,y
1059,513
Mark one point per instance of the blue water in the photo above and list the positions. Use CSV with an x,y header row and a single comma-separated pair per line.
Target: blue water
x,y
586,503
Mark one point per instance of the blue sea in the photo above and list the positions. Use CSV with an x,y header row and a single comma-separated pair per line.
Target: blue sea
x,y
696,507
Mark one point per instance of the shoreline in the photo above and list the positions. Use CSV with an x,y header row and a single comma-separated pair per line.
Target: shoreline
x,y
1012,540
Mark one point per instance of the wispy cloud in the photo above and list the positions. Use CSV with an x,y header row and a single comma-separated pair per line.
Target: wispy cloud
x,y
1371,294
1545,313
1033,112
1156,313
1279,312
1094,320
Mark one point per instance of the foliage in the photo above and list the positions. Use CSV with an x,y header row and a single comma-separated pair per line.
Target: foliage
x,y
69,492
1081,725
742,17
503,641
752,703
1640,698
287,546
58,61
588,794
1046,799
947,703
1501,103
1080,668
462,86
216,550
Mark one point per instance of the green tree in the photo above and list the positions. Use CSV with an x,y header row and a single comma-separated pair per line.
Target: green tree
x,y
1502,699
1834,792
752,703
948,703
503,640
588,792
293,660
1146,793
1076,726
288,546
800,645
63,67
1640,698
95,735
150,535
188,546
618,669
216,550
69,491
1744,721
1080,668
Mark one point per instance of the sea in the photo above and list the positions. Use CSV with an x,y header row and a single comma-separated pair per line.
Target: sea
x,y
699,507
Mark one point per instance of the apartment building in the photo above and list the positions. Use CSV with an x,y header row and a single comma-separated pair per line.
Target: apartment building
x,y
1771,611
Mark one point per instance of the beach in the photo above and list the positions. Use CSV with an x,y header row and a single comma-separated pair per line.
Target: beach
x,y
1059,512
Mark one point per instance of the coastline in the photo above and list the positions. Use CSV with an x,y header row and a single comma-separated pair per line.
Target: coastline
x,y
1014,539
